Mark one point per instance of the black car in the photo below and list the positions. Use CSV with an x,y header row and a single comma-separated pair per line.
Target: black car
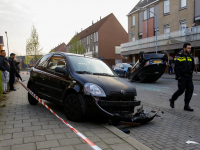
x,y
149,67
122,69
82,85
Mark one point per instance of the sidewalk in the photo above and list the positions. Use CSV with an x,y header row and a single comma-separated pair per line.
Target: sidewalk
x,y
196,76
27,127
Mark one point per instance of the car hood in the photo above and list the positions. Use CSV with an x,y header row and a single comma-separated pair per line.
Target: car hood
x,y
110,84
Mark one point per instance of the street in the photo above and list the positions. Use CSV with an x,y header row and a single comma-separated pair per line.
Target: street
x,y
172,127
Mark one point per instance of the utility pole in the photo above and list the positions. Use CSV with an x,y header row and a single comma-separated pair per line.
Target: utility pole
x,y
7,43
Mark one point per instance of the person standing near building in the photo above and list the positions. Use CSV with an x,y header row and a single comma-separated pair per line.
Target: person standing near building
x,y
196,62
4,67
13,71
170,64
184,66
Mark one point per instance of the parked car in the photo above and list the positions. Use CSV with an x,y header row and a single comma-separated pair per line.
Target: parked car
x,y
149,67
122,69
83,85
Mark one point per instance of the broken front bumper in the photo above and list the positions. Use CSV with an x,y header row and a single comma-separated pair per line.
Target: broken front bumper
x,y
141,117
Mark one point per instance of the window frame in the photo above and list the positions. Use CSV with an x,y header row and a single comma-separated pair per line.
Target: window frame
x,y
133,25
150,13
184,7
166,35
55,68
167,13
145,12
133,35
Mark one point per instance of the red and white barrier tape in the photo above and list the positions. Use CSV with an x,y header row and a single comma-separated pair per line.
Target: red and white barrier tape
x,y
90,143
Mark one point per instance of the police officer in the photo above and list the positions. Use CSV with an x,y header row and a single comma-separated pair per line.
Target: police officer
x,y
184,66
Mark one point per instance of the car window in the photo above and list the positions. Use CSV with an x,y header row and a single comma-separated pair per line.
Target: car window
x,y
44,61
94,66
127,65
57,61
121,66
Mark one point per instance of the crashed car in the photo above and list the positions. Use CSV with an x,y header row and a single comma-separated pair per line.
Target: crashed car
x,y
149,67
83,86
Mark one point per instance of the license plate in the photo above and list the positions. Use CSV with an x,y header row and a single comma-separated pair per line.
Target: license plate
x,y
157,61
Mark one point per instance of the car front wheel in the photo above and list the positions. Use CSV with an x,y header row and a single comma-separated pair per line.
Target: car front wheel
x,y
72,108
31,99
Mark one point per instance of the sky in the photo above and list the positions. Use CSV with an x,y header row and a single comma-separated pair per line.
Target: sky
x,y
56,21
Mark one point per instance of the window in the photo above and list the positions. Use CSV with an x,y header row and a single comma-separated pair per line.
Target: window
x,y
117,50
57,61
167,31
133,21
183,3
166,6
151,12
96,36
145,15
43,62
182,26
91,36
133,37
96,49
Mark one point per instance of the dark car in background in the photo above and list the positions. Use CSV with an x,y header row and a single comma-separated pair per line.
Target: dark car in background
x,y
149,67
122,69
83,86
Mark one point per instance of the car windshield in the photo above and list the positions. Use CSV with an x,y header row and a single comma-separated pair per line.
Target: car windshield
x,y
127,65
87,65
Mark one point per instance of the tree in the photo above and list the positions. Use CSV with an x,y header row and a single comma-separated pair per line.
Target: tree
x,y
51,51
33,45
76,46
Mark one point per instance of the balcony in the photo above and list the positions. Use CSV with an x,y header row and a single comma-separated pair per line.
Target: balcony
x,y
165,41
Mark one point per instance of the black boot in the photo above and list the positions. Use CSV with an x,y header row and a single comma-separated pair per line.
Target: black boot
x,y
171,103
188,108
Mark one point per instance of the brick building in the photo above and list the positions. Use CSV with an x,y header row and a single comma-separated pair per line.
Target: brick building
x,y
1,42
60,48
103,39
172,18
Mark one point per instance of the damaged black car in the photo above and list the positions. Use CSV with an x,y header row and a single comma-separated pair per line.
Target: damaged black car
x,y
83,86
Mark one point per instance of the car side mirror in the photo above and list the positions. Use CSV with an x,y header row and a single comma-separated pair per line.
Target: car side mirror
x,y
61,70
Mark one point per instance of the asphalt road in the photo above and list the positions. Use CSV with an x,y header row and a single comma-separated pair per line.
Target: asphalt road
x,y
172,127
159,93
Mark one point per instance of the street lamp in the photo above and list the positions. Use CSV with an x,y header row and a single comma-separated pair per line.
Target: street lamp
x,y
7,43
142,8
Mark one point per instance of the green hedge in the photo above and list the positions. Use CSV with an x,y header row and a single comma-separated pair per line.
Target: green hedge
x,y
1,86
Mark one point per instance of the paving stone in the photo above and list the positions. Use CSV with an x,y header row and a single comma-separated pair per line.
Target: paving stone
x,y
56,136
62,130
6,126
22,134
13,122
113,140
71,141
34,139
88,133
122,146
54,126
105,135
99,130
5,148
82,147
43,132
13,130
11,142
5,136
30,146
47,144
71,135
63,148
40,123
31,120
102,145
32,128
22,125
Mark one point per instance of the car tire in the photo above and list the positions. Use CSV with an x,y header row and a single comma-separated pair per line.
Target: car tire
x,y
72,108
125,74
31,99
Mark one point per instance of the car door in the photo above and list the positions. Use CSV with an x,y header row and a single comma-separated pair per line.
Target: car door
x,y
119,70
57,82
39,76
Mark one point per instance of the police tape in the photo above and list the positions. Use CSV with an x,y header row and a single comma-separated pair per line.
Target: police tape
x,y
90,143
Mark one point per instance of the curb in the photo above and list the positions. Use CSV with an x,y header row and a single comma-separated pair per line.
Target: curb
x,y
174,78
136,144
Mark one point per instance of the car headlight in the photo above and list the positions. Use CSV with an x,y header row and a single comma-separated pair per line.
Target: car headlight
x,y
94,90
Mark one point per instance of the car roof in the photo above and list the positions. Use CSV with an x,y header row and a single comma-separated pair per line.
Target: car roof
x,y
71,54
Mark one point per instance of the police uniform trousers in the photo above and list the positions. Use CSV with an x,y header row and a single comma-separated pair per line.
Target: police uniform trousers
x,y
185,84
12,80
